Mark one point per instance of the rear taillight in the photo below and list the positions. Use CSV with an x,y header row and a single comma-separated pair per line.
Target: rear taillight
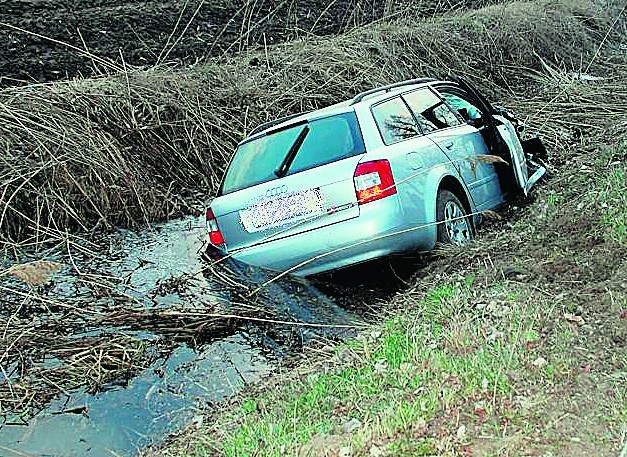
x,y
373,181
215,236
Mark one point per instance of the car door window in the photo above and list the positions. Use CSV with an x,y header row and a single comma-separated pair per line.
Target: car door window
x,y
467,110
395,121
430,111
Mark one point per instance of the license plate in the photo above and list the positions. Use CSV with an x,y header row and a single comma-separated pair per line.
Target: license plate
x,y
284,210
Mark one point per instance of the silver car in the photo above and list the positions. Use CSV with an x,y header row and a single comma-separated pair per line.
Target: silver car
x,y
398,168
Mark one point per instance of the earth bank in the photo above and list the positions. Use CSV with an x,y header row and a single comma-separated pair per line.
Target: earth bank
x,y
145,33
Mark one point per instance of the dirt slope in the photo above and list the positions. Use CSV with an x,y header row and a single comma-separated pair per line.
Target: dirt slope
x,y
145,32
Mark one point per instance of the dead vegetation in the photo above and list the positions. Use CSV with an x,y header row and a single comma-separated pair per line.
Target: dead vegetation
x,y
145,145
96,330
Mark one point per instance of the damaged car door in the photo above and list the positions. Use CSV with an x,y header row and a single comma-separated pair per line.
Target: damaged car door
x,y
503,138
462,143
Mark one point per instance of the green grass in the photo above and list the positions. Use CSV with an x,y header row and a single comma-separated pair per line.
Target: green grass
x,y
614,202
612,195
420,365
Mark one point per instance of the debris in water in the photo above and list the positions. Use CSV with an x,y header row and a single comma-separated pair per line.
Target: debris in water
x,y
35,273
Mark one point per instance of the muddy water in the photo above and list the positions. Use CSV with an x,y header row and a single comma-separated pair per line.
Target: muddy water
x,y
119,421
175,389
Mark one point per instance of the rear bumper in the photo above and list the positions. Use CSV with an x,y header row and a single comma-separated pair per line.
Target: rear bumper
x,y
374,233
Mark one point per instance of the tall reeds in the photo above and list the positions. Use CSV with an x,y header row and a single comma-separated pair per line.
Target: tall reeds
x,y
147,145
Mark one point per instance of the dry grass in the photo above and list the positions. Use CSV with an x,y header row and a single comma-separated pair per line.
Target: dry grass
x,y
35,273
145,145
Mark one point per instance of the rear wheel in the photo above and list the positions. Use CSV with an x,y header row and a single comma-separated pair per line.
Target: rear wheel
x,y
454,224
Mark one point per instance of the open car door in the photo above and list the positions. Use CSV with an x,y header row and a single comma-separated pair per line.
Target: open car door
x,y
503,139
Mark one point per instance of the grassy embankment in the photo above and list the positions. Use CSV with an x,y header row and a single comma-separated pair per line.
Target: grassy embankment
x,y
515,346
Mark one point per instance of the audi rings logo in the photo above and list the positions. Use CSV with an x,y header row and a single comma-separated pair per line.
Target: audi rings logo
x,y
276,191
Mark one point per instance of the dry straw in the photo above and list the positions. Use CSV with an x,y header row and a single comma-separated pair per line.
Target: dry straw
x,y
146,145
35,273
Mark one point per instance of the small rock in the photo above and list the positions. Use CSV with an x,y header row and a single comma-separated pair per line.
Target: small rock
x,y
375,451
381,366
351,425
461,432
346,355
495,335
345,452
574,318
540,362
512,272
375,335
319,445
419,425
197,421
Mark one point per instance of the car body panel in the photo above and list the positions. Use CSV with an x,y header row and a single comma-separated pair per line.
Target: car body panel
x,y
338,245
285,207
464,145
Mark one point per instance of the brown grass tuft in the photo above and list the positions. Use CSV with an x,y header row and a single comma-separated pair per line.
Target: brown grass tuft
x,y
486,158
488,214
35,273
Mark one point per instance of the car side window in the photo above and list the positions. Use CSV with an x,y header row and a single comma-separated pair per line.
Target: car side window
x,y
467,110
395,121
432,113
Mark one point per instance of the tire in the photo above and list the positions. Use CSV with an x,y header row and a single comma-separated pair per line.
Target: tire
x,y
459,230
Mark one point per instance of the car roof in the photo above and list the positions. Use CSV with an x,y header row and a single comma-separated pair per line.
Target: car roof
x,y
370,97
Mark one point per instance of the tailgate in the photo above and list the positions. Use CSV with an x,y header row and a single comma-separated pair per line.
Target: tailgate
x,y
285,207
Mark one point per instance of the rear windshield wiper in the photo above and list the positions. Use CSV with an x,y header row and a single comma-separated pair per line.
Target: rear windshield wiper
x,y
291,154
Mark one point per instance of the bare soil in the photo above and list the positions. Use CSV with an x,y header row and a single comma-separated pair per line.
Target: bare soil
x,y
143,33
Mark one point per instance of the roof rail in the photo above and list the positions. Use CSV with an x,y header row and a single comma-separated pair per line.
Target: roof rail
x,y
267,125
389,87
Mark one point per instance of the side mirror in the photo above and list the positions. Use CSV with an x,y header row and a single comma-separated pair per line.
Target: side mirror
x,y
477,122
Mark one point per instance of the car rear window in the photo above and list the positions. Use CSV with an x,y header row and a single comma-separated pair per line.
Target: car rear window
x,y
329,139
